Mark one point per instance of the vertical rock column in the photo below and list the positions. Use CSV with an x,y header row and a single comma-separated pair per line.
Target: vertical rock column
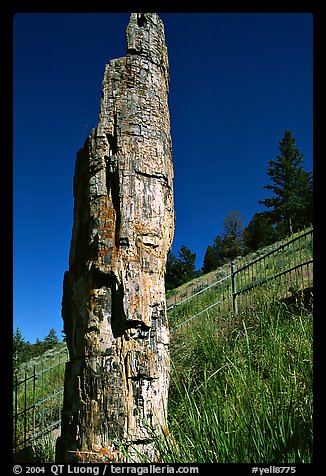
x,y
113,305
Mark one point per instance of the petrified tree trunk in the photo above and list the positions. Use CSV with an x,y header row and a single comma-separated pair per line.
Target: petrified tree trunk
x,y
113,304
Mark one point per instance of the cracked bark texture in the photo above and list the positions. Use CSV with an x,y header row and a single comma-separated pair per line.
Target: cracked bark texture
x,y
113,305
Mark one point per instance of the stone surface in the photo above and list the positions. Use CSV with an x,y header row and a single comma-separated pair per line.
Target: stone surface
x,y
113,303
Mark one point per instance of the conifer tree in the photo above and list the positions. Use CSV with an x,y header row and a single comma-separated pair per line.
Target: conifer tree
x,y
210,260
172,272
180,270
51,339
214,255
291,203
187,263
19,348
259,232
233,231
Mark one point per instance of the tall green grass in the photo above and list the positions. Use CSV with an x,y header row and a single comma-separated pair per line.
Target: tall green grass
x,y
241,389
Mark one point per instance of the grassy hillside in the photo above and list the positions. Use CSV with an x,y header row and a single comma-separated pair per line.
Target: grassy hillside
x,y
283,270
241,383
241,389
44,360
195,285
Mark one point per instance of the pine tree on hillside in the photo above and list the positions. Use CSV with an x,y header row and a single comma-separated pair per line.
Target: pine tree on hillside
x,y
259,232
18,341
180,270
187,263
291,203
214,255
51,339
19,348
232,240
210,260
172,272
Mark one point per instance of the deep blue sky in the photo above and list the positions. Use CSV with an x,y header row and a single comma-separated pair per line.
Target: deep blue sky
x,y
237,82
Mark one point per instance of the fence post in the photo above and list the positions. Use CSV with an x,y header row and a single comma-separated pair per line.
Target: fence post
x,y
234,288
16,410
34,411
175,307
25,408
43,409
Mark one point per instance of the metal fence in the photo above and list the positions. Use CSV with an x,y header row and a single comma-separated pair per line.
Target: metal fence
x,y
38,398
284,270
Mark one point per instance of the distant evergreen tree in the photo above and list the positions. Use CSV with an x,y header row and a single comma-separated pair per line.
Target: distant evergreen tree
x,y
18,341
38,348
23,351
227,247
232,245
214,255
259,232
210,260
187,263
51,340
19,349
291,203
172,273
180,270
218,248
